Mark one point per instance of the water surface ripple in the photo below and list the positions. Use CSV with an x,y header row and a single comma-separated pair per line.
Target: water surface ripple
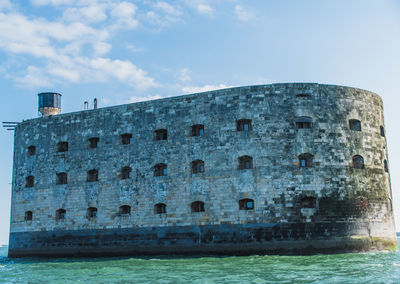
x,y
340,268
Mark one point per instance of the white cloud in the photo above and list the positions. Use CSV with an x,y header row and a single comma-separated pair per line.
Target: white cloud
x,y
163,15
184,75
52,2
202,7
143,98
124,71
34,77
205,9
89,14
124,13
167,8
5,4
88,70
205,88
68,52
105,101
41,38
133,48
67,74
243,14
73,48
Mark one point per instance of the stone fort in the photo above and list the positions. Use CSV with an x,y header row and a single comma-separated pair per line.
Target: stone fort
x,y
294,168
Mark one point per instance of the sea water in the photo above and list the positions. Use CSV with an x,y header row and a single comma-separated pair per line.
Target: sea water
x,y
380,267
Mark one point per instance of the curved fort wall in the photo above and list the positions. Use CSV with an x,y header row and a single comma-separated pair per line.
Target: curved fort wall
x,y
276,169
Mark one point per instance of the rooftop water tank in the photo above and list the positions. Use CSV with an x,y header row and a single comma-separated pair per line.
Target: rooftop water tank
x,y
49,103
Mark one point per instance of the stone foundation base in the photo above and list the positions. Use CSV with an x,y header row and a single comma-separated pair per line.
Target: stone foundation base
x,y
282,238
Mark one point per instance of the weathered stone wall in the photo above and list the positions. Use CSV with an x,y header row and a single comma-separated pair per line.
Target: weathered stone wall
x,y
276,183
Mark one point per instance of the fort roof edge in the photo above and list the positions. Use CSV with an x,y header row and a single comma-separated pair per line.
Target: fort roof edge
x,y
178,97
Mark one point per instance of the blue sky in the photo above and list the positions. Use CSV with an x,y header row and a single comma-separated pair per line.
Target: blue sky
x,y
128,51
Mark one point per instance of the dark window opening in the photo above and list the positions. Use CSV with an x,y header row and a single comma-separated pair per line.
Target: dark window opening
x,y
197,206
308,202
198,130
126,172
61,178
382,131
94,142
358,162
30,181
124,210
246,204
31,150
385,166
303,122
62,147
60,214
245,162
355,125
28,215
92,175
160,170
126,138
92,212
161,134
160,208
244,125
197,166
303,95
305,160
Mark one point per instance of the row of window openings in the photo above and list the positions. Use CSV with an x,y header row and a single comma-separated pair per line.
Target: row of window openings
x,y
161,208
197,166
198,130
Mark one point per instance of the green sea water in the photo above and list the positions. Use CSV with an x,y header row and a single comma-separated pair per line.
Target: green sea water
x,y
340,268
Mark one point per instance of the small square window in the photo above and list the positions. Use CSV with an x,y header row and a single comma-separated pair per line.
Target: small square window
x,y
62,146
31,150
126,138
243,125
198,130
94,142
355,125
161,134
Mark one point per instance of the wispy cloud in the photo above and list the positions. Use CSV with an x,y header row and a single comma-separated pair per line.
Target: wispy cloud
x,y
204,9
167,8
72,48
34,77
163,15
205,88
88,14
135,49
184,75
124,15
52,2
143,98
75,47
243,14
5,4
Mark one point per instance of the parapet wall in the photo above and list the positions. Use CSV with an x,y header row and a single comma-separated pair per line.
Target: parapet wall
x,y
276,181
